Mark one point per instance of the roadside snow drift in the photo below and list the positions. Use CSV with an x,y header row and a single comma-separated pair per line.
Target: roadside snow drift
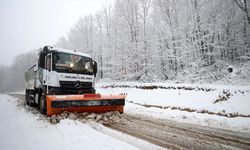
x,y
209,105
23,130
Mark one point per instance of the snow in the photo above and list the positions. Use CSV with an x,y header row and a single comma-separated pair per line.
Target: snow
x,y
18,92
22,130
235,124
33,132
71,52
195,99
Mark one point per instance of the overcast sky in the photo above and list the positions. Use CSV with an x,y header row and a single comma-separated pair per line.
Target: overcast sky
x,y
29,24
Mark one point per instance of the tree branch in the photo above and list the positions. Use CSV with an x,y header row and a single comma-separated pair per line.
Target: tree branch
x,y
239,3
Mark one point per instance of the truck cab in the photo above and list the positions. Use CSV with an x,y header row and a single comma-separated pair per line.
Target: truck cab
x,y
66,72
59,72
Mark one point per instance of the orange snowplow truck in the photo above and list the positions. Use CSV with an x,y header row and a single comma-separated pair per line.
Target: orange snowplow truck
x,y
63,80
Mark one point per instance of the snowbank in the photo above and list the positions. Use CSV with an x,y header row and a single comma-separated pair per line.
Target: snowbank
x,y
187,103
23,130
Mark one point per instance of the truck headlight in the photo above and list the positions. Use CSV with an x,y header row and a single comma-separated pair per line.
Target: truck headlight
x,y
71,65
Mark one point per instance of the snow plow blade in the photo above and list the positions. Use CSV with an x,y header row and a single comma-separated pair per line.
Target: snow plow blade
x,y
95,103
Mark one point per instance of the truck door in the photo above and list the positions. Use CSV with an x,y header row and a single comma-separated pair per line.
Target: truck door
x,y
48,68
48,64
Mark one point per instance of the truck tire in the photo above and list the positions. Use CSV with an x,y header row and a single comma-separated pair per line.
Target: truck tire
x,y
31,95
42,104
27,97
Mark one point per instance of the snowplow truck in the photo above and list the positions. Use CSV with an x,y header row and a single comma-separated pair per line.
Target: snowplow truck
x,y
63,80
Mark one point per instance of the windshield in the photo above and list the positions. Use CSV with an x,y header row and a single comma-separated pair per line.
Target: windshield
x,y
70,63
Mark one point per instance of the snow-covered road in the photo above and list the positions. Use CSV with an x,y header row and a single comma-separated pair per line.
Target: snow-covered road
x,y
22,130
171,116
162,132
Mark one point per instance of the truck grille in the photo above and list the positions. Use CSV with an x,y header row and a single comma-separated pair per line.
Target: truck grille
x,y
72,84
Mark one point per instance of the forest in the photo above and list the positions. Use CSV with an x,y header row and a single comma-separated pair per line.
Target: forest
x,y
156,41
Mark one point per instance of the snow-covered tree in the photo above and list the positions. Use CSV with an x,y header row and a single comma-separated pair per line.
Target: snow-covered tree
x,y
134,39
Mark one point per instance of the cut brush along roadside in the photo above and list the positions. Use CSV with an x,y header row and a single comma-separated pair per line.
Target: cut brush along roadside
x,y
63,80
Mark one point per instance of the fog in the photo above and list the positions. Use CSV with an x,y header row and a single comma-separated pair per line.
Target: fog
x,y
198,41
27,25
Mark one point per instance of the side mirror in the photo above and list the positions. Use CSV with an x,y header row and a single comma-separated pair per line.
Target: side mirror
x,y
36,67
48,62
95,68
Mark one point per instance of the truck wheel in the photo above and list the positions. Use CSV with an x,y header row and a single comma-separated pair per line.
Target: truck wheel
x,y
31,97
42,104
27,97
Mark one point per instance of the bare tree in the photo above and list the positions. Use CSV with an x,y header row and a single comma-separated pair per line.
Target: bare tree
x,y
243,5
169,13
144,13
100,54
168,38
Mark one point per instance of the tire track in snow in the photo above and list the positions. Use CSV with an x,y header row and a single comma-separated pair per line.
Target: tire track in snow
x,y
174,135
